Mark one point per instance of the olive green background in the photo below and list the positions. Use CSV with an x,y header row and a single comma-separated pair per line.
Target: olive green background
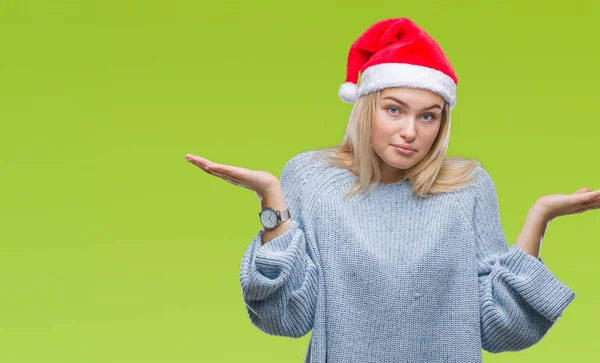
x,y
115,249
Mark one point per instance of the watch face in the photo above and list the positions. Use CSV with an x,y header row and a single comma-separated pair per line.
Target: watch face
x,y
268,218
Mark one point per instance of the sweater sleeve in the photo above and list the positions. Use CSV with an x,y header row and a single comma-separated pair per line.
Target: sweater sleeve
x,y
279,279
520,298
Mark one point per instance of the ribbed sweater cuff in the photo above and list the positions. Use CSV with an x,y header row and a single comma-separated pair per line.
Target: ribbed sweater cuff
x,y
279,243
538,285
284,252
266,268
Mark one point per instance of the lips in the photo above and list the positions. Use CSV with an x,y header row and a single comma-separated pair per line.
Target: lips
x,y
404,151
405,147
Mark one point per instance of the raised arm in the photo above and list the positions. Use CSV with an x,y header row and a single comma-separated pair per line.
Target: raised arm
x,y
520,298
279,279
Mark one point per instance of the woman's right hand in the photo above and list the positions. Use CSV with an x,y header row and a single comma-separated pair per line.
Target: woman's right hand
x,y
259,181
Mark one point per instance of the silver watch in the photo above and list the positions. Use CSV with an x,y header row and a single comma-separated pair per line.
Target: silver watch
x,y
271,218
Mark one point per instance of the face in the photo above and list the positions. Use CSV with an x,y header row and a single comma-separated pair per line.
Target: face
x,y
406,116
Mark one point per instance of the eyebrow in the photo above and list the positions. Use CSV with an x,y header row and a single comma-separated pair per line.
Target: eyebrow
x,y
405,105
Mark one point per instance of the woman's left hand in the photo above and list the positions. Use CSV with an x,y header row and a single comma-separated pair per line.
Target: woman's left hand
x,y
555,205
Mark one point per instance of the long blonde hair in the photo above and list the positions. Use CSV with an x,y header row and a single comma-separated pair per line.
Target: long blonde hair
x,y
435,173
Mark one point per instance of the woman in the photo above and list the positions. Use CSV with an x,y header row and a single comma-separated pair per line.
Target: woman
x,y
416,269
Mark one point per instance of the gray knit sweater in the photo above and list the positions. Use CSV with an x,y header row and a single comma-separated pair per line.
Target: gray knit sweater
x,y
395,277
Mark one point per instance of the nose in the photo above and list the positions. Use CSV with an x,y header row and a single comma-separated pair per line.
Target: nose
x,y
407,129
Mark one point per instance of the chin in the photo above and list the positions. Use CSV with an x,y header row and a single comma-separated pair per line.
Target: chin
x,y
400,162
403,162
402,166
397,157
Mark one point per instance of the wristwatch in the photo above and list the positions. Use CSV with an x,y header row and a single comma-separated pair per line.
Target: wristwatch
x,y
271,218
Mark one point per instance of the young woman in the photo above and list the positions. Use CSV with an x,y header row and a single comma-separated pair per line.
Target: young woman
x,y
383,246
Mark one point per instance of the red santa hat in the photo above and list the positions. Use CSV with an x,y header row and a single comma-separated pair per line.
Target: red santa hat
x,y
397,53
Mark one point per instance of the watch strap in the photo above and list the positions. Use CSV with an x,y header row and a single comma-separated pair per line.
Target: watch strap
x,y
284,215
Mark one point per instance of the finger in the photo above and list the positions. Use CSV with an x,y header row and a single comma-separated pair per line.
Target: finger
x,y
200,161
228,170
232,181
587,197
227,178
582,190
202,165
595,203
592,200
192,158
581,210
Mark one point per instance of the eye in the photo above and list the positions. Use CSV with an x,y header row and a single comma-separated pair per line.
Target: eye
x,y
431,116
393,107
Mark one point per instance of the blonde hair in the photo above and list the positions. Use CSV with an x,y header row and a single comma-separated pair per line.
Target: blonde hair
x,y
435,173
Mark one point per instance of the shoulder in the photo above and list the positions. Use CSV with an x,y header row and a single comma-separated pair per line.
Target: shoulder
x,y
300,166
479,175
483,185
300,162
481,188
481,182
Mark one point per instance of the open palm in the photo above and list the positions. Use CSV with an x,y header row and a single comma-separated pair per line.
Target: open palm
x,y
555,205
259,181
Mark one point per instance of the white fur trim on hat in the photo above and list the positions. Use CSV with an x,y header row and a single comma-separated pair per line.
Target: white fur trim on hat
x,y
386,75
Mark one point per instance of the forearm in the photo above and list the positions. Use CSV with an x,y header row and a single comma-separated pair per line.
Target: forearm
x,y
532,234
274,198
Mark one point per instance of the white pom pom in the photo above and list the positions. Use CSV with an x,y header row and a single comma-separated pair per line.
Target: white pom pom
x,y
348,92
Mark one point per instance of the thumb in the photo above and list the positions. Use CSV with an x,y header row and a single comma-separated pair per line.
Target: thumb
x,y
582,190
